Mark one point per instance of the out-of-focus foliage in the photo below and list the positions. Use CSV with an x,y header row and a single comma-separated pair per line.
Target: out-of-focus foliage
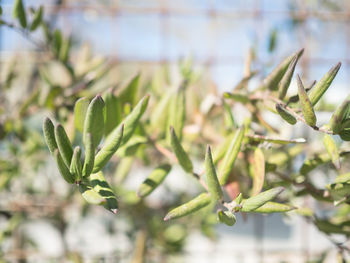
x,y
99,131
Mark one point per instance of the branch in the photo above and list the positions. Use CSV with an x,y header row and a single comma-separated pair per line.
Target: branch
x,y
292,111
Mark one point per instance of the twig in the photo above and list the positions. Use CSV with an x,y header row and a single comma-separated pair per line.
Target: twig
x,y
292,111
168,154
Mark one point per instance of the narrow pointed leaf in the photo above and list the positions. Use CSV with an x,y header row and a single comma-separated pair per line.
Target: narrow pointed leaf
x,y
287,77
177,112
180,153
131,147
272,80
130,122
295,98
228,116
101,186
226,217
90,195
306,106
65,49
340,115
160,113
37,19
94,121
153,180
129,93
123,169
64,144
240,97
214,187
89,156
76,167
322,86
190,207
110,146
332,150
345,134
230,156
313,162
221,150
80,110
260,138
259,171
113,112
20,13
285,114
273,207
49,135
62,168
259,200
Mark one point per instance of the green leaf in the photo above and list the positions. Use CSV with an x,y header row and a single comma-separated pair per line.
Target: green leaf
x,y
345,134
75,167
259,200
272,80
317,160
90,195
177,112
273,40
64,50
131,147
259,171
113,111
228,117
129,93
37,19
306,105
226,217
57,41
123,169
160,113
131,121
285,114
214,187
62,168
230,156
332,150
340,115
272,207
313,162
110,146
64,144
221,150
285,82
339,191
19,13
153,180
49,135
89,155
240,97
94,121
328,227
260,138
80,110
101,186
190,207
180,153
321,87
343,178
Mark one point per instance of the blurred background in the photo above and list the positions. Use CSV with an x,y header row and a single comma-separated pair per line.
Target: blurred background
x,y
218,35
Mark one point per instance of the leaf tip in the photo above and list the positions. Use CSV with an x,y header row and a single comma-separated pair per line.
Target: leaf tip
x,y
114,211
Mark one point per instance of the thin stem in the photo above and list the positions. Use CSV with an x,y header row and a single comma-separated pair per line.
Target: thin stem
x,y
292,111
